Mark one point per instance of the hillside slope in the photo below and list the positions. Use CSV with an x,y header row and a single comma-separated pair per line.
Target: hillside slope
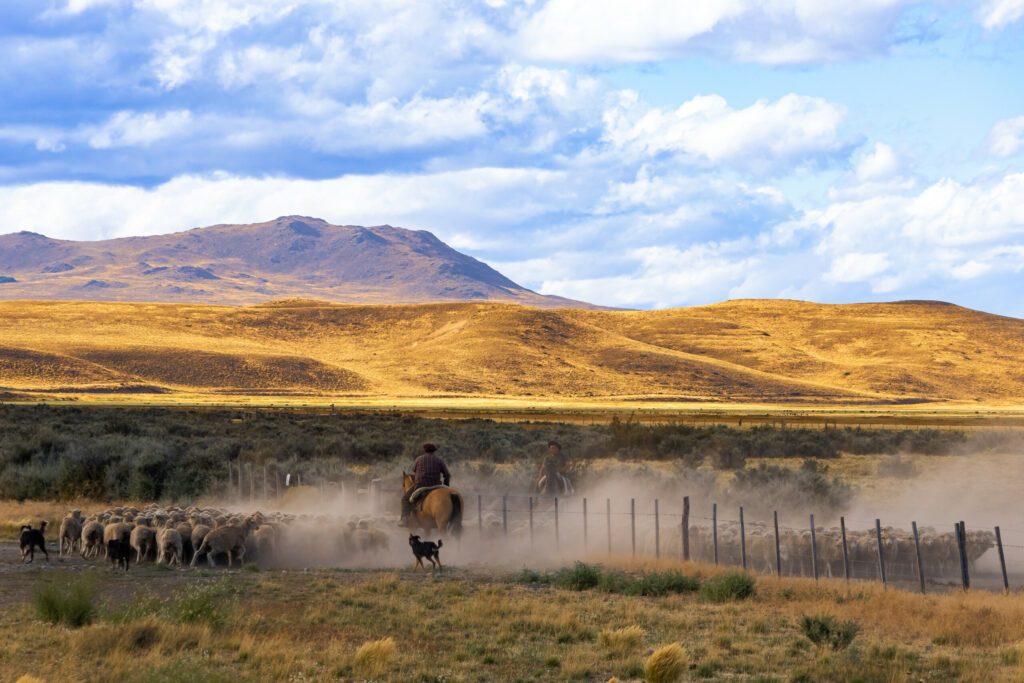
x,y
755,351
292,256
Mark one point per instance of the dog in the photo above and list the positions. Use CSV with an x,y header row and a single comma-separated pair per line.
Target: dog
x,y
32,539
426,550
120,553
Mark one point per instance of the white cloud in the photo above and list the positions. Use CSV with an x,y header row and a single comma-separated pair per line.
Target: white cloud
x,y
995,14
857,267
881,163
776,32
448,202
133,129
1007,137
706,129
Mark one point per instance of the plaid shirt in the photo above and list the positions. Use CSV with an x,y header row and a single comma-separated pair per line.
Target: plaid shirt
x,y
429,469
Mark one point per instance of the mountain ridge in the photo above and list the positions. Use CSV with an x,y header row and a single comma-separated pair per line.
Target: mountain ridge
x,y
237,264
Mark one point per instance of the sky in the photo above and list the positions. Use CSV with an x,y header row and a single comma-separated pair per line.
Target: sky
x,y
643,154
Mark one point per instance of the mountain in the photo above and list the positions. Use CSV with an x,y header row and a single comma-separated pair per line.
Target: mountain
x,y
292,256
740,351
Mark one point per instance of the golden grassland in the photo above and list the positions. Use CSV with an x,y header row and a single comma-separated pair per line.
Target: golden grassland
x,y
746,355
475,625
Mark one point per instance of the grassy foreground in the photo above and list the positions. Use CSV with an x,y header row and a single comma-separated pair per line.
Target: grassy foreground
x,y
470,625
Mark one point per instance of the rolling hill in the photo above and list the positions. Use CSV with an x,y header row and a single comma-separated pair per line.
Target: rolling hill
x,y
763,351
292,256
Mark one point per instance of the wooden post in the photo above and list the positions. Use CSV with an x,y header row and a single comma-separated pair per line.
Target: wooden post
x,y
846,549
504,514
632,524
961,544
266,493
557,539
657,532
252,485
531,520
241,491
230,477
686,528
480,515
778,550
1002,560
608,516
917,549
814,550
585,526
881,550
743,541
714,528
277,480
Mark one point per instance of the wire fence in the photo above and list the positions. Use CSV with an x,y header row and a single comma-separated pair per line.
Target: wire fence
x,y
929,556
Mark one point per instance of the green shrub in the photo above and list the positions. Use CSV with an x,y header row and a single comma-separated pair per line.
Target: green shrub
x,y
69,603
205,604
578,578
827,631
662,583
730,585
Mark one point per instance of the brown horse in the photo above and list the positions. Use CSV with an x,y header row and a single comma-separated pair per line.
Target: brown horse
x,y
439,509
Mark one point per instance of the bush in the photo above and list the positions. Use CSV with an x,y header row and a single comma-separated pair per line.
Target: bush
x,y
202,604
730,585
827,631
662,583
374,657
621,641
666,665
579,578
70,604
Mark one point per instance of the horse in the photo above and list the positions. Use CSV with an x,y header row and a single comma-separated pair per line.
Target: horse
x,y
439,509
554,484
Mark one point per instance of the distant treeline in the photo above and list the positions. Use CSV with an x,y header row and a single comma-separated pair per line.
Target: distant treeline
x,y
179,454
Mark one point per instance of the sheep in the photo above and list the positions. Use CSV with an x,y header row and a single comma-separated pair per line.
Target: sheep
x,y
184,530
91,538
143,539
70,533
115,531
169,546
228,539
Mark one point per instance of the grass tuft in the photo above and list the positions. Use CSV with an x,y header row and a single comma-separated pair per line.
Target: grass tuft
x,y
730,585
621,641
828,631
666,665
579,577
374,657
70,603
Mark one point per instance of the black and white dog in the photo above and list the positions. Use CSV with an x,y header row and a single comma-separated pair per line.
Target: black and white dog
x,y
32,539
426,550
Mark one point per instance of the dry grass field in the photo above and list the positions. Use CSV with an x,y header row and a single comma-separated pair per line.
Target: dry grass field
x,y
472,625
742,354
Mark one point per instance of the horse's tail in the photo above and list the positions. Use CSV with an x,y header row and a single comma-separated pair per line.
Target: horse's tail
x,y
455,523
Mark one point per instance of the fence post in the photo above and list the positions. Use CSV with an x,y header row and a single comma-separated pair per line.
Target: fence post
x,y
480,515
252,485
241,492
814,550
917,549
657,532
961,543
846,549
608,516
686,528
714,528
585,526
266,493
230,478
881,550
557,538
1002,560
743,541
504,514
632,524
778,550
531,520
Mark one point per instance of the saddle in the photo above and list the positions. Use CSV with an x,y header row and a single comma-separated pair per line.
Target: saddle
x,y
414,498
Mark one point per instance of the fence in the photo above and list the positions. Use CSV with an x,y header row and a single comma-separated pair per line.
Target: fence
x,y
576,528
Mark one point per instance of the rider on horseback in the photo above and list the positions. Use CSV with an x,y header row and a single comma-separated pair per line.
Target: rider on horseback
x,y
428,470
554,470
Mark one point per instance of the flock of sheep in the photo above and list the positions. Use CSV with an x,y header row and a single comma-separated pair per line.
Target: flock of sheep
x,y
179,536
